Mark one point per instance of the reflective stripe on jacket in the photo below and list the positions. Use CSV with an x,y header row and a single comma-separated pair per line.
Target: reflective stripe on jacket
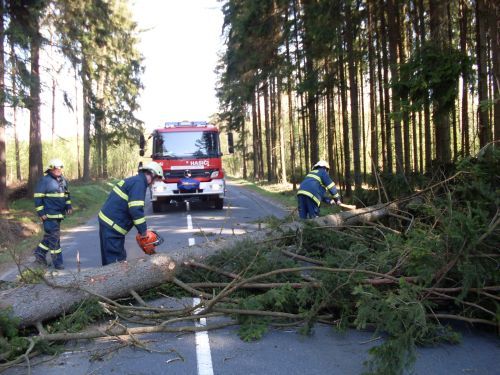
x,y
52,197
315,185
124,207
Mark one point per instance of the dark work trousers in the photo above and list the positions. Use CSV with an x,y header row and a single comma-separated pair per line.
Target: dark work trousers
x,y
51,242
112,244
308,209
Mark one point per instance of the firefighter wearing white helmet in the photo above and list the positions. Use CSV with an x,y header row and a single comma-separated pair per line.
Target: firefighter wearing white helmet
x,y
313,190
52,203
123,210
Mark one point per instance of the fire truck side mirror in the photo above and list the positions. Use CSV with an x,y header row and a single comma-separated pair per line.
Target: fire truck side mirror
x,y
141,152
230,143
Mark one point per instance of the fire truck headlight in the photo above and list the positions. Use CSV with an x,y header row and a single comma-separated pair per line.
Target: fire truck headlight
x,y
216,186
158,188
214,174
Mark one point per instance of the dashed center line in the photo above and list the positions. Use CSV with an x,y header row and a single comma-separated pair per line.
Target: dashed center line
x,y
190,227
203,355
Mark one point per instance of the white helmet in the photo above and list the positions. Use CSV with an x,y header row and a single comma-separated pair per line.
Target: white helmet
x,y
54,163
321,164
154,168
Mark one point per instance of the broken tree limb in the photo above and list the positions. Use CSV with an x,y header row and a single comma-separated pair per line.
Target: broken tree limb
x,y
33,303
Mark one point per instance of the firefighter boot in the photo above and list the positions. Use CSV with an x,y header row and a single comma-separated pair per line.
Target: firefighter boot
x,y
40,257
57,261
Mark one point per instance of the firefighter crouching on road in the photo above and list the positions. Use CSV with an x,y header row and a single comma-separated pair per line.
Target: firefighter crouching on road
x,y
313,189
52,202
123,209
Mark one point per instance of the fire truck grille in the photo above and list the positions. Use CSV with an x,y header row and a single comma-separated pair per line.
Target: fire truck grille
x,y
203,173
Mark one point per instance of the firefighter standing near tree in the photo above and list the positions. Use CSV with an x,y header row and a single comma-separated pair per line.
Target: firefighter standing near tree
x,y
52,203
124,209
312,191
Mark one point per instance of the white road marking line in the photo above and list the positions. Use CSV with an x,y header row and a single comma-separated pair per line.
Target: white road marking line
x,y
203,354
191,240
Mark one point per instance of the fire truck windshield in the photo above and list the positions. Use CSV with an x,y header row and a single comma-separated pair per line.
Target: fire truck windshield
x,y
174,145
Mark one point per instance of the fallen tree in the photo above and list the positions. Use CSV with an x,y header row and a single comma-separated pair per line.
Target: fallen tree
x,y
56,294
406,277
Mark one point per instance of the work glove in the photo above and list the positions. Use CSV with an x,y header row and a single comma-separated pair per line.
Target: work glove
x,y
337,202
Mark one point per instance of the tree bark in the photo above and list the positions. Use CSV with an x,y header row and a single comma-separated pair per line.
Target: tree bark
x,y
291,123
494,31
268,132
33,303
35,148
387,98
373,94
482,79
438,27
465,83
13,75
3,158
60,293
87,91
394,35
255,139
353,90
345,126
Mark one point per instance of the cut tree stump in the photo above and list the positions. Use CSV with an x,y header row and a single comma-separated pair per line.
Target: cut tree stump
x,y
33,303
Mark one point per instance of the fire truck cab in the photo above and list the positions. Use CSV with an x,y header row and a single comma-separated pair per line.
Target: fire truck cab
x,y
190,155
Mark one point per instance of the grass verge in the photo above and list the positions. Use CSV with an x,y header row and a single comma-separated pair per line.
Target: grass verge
x,y
281,193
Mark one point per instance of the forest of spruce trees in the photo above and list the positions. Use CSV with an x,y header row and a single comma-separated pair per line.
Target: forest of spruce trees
x,y
393,86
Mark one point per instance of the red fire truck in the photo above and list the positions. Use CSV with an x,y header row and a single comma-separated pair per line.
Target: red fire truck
x,y
188,148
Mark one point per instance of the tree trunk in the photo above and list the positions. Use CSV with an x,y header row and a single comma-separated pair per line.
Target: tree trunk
x,y
268,132
382,99
116,280
77,123
104,150
393,33
255,139
454,109
330,120
353,90
345,128
494,31
427,114
404,43
291,123
87,91
438,23
35,148
373,83
465,84
17,153
3,158
482,79
244,147
387,108
281,128
53,110
259,128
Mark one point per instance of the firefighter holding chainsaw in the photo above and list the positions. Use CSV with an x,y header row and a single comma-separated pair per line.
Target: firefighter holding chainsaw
x,y
52,203
313,190
124,209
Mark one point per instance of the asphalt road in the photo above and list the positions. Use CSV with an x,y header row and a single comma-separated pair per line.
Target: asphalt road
x,y
222,352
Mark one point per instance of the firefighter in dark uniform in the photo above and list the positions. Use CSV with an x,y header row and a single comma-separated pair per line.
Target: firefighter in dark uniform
x,y
52,203
124,209
313,190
